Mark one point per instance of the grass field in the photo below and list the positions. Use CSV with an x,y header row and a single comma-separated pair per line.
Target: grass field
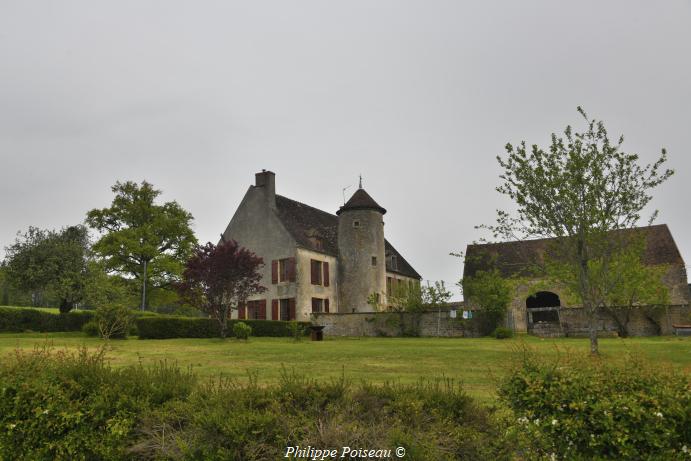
x,y
477,363
52,310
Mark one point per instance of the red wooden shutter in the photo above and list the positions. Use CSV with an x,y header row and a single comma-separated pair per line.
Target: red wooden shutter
x,y
262,309
274,271
241,312
326,273
291,269
326,305
274,309
314,269
291,309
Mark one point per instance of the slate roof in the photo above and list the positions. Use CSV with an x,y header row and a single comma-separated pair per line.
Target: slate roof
x,y
513,258
361,200
306,224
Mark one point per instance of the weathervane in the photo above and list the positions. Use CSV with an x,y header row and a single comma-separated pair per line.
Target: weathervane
x,y
360,181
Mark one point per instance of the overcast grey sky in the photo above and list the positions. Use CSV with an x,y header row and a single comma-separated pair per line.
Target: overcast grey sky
x,y
418,96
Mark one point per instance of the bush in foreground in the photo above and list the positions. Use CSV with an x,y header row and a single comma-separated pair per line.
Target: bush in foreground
x,y
56,405
225,420
584,409
59,405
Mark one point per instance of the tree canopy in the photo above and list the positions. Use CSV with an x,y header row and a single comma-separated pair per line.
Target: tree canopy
x,y
583,189
45,260
142,239
219,278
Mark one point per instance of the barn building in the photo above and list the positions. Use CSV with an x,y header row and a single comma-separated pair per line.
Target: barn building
x,y
530,311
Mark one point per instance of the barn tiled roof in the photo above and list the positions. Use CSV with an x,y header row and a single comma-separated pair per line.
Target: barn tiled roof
x,y
309,225
361,200
513,258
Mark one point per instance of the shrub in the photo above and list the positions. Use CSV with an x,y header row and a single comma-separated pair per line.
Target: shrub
x,y
503,333
18,320
163,327
60,405
584,408
297,331
113,321
242,331
90,328
226,420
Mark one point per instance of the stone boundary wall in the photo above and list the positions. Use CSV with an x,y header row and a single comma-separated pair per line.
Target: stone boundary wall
x,y
429,323
573,323
643,321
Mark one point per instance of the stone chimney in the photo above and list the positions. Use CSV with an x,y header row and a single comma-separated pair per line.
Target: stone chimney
x,y
267,180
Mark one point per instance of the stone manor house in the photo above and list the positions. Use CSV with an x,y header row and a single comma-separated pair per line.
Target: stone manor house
x,y
316,261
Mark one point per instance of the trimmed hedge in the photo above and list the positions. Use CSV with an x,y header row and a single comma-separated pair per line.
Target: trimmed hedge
x,y
18,320
191,327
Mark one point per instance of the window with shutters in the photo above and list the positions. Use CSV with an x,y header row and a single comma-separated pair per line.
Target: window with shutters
x,y
316,271
284,309
320,305
253,310
283,270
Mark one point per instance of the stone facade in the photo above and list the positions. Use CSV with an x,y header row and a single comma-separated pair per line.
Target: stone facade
x,y
314,260
643,321
429,323
573,322
362,258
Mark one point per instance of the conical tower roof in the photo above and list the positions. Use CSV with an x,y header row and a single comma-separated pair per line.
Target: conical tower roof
x,y
361,200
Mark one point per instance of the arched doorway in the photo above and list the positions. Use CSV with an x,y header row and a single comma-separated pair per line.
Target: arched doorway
x,y
543,306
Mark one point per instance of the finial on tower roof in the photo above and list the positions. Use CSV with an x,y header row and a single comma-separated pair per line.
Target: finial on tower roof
x,y
360,182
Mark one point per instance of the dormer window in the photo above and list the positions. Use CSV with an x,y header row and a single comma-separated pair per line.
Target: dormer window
x,y
318,242
394,262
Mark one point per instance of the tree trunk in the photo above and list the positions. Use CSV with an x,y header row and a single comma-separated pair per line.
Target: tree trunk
x,y
65,306
224,328
593,332
144,300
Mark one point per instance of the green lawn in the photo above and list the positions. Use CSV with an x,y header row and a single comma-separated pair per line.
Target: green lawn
x,y
477,363
52,310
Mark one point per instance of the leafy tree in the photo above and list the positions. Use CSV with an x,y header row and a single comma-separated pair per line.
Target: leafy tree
x,y
54,261
4,286
492,294
435,296
141,239
583,189
631,284
103,289
413,299
219,278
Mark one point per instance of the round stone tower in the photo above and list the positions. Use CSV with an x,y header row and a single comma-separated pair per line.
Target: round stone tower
x,y
361,254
